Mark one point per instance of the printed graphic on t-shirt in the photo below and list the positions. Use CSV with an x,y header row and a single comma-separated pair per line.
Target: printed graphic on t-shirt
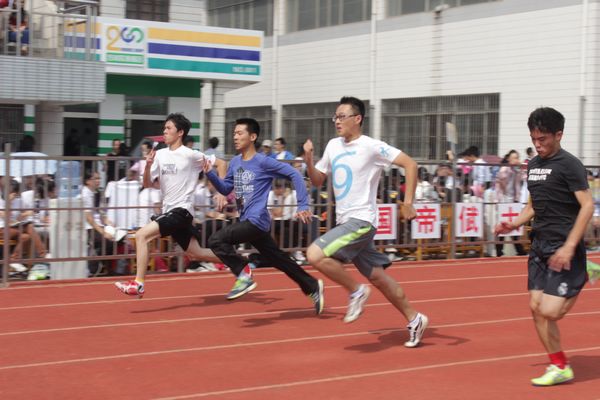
x,y
169,169
243,186
539,174
384,151
342,175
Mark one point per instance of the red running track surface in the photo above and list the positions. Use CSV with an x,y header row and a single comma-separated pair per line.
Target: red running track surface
x,y
183,340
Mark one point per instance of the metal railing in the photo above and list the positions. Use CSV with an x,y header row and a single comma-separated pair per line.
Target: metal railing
x,y
49,193
57,30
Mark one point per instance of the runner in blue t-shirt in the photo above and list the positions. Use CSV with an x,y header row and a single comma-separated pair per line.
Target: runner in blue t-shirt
x,y
251,175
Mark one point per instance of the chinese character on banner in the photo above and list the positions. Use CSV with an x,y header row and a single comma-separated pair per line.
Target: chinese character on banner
x,y
427,224
509,212
387,215
468,220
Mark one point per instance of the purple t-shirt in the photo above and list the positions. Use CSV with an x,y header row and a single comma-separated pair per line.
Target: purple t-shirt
x,y
252,181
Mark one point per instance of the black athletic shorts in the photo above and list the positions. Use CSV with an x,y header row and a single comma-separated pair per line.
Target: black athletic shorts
x,y
178,224
566,283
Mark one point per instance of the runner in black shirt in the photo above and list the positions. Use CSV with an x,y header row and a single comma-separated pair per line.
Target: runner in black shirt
x,y
561,204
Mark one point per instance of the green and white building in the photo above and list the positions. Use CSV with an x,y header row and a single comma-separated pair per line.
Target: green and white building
x,y
117,75
482,64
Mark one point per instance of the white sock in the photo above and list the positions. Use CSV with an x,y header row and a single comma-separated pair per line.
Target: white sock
x,y
415,320
358,292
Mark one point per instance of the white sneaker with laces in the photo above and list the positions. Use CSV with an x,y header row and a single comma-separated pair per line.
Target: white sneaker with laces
x,y
17,267
355,307
416,330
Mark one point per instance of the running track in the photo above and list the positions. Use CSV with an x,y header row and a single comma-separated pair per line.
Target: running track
x,y
84,340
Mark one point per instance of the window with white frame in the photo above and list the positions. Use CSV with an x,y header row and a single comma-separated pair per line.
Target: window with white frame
x,y
401,7
304,121
418,125
12,124
311,14
147,10
242,14
261,114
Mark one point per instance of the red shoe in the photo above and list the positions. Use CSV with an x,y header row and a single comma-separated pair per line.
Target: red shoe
x,y
131,288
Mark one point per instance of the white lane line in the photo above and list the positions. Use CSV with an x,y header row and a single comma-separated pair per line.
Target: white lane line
x,y
269,342
368,375
207,295
245,315
475,263
230,316
121,300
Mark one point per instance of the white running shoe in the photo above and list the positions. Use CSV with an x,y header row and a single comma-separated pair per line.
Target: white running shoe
x,y
17,267
416,331
355,307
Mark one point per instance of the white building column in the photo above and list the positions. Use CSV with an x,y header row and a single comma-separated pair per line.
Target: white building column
x,y
377,13
190,107
50,129
29,119
276,108
214,99
112,122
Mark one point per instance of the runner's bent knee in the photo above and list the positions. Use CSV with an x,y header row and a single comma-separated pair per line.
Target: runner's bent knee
x,y
314,254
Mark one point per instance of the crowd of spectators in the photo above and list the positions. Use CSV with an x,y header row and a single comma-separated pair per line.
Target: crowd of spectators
x,y
124,205
17,24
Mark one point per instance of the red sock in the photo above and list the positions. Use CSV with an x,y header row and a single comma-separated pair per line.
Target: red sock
x,y
559,359
247,270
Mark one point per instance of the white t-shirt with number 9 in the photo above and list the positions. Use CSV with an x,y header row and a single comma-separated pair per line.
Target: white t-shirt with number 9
x,y
355,171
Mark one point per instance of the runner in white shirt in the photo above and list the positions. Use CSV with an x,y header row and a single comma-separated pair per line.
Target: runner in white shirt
x,y
355,163
177,168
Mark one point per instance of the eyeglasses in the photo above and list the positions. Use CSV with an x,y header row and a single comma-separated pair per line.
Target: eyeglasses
x,y
342,117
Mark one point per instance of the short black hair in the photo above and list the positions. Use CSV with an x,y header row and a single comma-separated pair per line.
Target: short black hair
x,y
213,142
87,175
472,151
358,107
252,125
280,140
43,187
279,183
188,139
15,186
546,120
180,122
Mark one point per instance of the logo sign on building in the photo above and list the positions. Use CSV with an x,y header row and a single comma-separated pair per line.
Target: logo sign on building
x,y
468,220
124,44
509,212
136,47
387,215
427,223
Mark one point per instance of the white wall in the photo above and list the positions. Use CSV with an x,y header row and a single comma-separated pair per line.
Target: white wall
x,y
188,12
530,56
49,136
112,8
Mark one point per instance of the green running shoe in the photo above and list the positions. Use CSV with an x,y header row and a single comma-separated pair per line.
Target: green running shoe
x,y
241,287
593,271
554,376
